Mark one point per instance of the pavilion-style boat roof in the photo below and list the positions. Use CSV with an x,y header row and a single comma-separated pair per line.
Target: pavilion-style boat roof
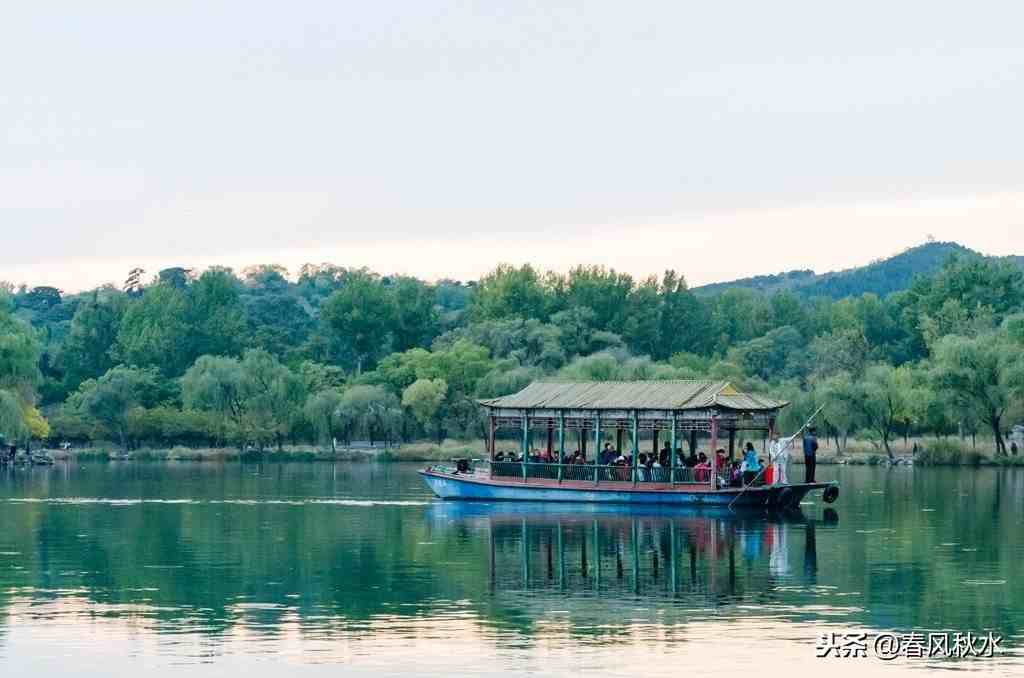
x,y
674,395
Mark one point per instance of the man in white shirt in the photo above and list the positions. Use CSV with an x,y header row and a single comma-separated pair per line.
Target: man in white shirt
x,y
779,451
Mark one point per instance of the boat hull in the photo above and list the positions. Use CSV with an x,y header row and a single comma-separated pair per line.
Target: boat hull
x,y
476,488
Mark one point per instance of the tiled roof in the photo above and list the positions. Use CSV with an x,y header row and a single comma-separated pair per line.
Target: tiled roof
x,y
693,394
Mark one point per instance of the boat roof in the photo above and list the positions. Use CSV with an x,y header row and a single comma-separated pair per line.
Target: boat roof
x,y
680,394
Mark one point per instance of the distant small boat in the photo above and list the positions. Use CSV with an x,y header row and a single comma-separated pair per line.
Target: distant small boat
x,y
41,459
120,456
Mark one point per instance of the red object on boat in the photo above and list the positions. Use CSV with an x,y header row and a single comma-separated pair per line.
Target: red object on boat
x,y
769,476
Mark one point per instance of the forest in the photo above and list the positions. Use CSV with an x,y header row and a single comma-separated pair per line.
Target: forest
x,y
261,358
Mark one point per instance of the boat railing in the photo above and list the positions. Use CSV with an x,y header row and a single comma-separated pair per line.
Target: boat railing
x,y
596,473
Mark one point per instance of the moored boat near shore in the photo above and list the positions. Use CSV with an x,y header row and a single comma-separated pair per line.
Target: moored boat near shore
x,y
670,411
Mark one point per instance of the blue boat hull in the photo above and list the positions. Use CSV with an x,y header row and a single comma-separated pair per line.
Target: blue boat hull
x,y
468,487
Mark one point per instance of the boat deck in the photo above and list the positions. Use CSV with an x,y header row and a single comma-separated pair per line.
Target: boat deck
x,y
478,486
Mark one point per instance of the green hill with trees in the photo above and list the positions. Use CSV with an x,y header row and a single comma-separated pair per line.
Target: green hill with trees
x,y
881,277
262,359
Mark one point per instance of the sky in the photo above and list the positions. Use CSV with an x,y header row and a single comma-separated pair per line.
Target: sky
x,y
438,139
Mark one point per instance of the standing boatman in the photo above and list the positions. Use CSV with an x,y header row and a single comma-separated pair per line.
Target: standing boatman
x,y
810,454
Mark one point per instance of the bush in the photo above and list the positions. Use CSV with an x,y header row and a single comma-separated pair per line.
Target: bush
x,y
948,452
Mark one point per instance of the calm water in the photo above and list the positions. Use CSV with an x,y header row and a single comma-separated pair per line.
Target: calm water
x,y
315,569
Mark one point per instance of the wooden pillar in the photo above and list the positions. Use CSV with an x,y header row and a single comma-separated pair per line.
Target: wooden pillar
x,y
597,444
551,439
693,441
732,443
490,435
561,443
714,446
672,453
636,443
654,443
618,439
526,442
583,440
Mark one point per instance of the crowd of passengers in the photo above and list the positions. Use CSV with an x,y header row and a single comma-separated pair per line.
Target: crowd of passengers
x,y
734,474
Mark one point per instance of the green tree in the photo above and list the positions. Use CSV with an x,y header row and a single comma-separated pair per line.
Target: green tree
x,y
215,316
109,399
323,410
603,291
373,410
416,320
257,395
360,315
19,373
684,322
424,398
983,374
882,399
87,352
154,331
508,292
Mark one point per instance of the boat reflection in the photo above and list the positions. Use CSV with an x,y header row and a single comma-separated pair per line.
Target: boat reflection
x,y
703,555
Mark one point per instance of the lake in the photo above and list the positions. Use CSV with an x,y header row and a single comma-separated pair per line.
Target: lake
x,y
163,569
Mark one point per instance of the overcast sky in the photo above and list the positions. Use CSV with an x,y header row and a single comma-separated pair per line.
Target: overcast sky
x,y
721,139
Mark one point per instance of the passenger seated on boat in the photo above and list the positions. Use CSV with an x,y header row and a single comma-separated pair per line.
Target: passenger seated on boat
x,y
658,474
500,456
643,473
702,471
607,454
751,465
693,459
735,475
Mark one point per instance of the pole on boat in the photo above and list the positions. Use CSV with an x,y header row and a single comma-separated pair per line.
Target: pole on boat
x,y
597,444
789,441
526,441
636,443
714,446
561,444
672,453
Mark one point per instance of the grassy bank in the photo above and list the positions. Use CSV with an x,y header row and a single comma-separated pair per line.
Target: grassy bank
x,y
921,451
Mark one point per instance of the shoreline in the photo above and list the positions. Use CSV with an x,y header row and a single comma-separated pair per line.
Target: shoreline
x,y
421,452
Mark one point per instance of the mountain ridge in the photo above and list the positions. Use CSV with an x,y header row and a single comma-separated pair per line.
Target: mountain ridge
x,y
881,276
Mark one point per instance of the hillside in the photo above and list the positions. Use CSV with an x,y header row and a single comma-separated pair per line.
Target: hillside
x,y
879,277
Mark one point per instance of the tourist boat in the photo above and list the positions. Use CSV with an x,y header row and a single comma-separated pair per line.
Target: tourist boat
x,y
694,411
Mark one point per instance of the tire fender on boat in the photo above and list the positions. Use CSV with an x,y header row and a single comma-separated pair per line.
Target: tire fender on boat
x,y
830,494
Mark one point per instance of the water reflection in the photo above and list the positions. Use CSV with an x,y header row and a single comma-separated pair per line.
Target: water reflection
x,y
697,557
139,565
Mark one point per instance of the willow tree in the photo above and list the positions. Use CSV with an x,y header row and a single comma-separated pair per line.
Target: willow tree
x,y
984,375
882,399
19,374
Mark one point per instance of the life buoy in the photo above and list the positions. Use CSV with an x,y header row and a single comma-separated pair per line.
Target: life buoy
x,y
830,494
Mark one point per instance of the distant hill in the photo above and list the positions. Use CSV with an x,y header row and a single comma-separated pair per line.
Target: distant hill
x,y
880,277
